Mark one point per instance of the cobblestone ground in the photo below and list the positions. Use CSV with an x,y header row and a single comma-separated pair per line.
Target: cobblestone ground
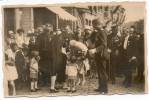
x,y
87,89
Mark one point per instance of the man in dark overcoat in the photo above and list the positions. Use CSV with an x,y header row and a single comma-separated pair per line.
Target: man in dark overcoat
x,y
128,57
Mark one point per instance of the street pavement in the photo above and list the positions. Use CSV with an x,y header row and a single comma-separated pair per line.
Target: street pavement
x,y
87,89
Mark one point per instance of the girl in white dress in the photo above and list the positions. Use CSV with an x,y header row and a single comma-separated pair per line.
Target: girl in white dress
x,y
71,72
12,74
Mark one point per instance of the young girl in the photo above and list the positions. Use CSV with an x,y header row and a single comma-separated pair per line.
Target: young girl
x,y
34,71
5,82
71,72
12,74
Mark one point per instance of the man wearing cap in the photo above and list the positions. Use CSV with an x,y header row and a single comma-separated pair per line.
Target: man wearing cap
x,y
99,38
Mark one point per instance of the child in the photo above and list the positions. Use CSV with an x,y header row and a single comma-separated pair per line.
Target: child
x,y
80,50
34,71
81,68
25,70
5,82
12,74
71,72
20,66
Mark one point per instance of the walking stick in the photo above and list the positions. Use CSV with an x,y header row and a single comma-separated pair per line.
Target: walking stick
x,y
109,68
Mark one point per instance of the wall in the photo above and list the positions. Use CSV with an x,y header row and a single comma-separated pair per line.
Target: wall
x,y
24,18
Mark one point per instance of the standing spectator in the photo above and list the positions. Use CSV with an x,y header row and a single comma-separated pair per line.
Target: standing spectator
x,y
99,38
128,56
43,45
66,35
21,67
19,37
34,71
71,72
81,60
25,70
11,37
57,58
10,64
139,52
5,81
39,30
140,57
78,36
32,43
115,43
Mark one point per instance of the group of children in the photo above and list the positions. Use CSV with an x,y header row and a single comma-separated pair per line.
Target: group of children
x,y
20,68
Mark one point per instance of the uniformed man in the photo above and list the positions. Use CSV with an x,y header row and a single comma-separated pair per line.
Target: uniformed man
x,y
99,38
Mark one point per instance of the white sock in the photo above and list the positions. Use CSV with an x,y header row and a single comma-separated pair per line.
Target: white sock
x,y
68,88
36,85
32,85
53,79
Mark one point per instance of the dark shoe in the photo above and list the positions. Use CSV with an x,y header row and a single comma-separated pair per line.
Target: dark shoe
x,y
57,88
53,91
96,90
37,89
33,90
73,91
68,90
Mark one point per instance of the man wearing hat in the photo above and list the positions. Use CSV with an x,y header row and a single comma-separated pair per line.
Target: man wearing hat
x,y
99,38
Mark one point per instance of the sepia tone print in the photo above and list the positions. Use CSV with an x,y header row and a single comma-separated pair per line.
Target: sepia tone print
x,y
74,49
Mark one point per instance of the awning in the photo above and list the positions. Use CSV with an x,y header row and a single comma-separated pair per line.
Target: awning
x,y
62,13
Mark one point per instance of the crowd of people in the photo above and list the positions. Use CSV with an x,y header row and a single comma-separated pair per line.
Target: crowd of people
x,y
63,59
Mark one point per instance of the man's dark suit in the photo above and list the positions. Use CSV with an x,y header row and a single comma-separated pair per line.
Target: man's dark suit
x,y
127,54
114,44
99,38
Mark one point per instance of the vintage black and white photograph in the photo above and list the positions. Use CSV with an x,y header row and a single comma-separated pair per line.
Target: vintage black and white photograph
x,y
74,49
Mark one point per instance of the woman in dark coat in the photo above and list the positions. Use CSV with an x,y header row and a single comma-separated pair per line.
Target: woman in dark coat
x,y
43,46
58,60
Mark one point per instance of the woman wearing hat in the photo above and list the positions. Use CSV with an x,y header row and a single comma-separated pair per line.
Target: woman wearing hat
x,y
58,64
